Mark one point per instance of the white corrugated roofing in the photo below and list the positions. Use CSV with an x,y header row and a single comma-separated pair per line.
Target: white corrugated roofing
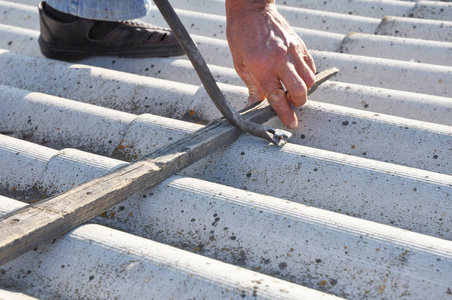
x,y
357,205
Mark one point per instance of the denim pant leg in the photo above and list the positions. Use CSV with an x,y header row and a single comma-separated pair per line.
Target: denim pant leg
x,y
109,10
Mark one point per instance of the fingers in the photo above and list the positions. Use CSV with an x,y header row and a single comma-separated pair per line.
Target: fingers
x,y
306,71
307,58
280,104
298,75
276,97
296,87
297,78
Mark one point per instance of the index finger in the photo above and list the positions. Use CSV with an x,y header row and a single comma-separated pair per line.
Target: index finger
x,y
296,86
277,98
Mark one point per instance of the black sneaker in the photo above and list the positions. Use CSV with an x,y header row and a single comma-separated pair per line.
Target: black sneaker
x,y
78,38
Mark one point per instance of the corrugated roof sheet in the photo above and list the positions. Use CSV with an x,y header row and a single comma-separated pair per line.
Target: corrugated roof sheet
x,y
357,205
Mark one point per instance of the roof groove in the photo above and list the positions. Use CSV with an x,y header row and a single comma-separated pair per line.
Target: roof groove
x,y
365,128
70,167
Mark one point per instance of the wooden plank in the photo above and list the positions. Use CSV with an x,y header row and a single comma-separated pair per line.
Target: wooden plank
x,y
25,228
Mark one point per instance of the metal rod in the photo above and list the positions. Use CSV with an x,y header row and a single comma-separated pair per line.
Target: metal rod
x,y
208,81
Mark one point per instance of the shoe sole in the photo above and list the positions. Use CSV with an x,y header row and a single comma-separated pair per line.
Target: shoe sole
x,y
71,53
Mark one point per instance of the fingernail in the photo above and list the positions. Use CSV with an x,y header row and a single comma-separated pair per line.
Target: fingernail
x,y
293,125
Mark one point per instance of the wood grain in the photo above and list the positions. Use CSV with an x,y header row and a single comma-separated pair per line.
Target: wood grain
x,y
24,229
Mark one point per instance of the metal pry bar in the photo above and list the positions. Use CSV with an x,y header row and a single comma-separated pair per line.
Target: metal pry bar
x,y
275,136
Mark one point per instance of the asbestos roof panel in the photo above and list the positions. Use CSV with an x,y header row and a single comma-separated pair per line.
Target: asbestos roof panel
x,y
357,205
415,50
436,30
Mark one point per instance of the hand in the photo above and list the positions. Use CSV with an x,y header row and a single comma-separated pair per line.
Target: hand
x,y
266,52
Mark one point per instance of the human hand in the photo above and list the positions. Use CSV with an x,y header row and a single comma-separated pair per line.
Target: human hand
x,y
266,51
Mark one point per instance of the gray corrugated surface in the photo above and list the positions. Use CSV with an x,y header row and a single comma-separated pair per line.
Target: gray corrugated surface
x,y
358,205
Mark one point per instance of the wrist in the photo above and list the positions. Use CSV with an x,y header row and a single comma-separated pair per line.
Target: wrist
x,y
234,7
